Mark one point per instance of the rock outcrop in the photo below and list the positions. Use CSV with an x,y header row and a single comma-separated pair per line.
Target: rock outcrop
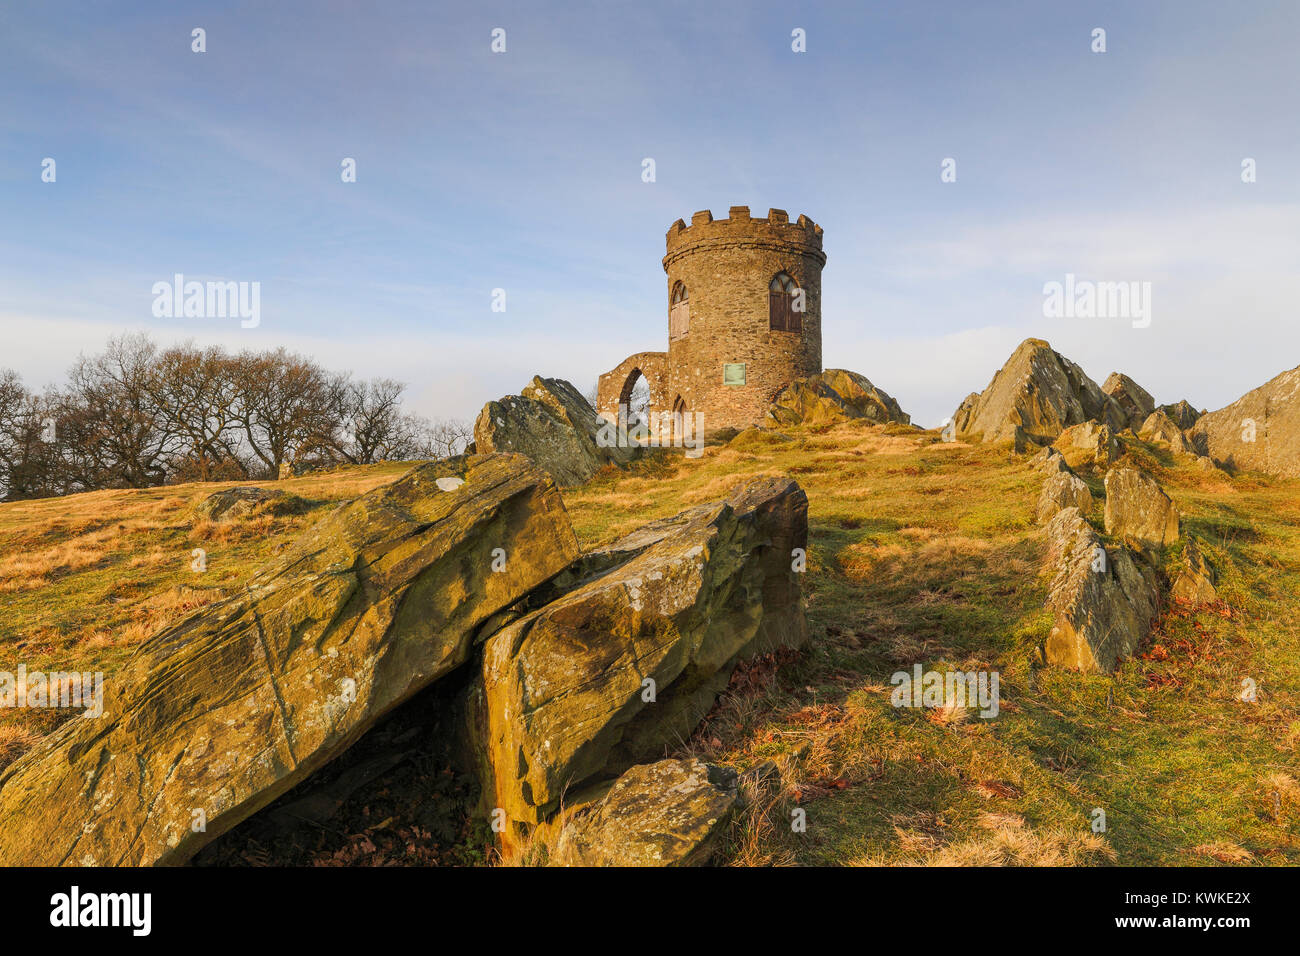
x,y
1134,400
1103,602
1049,461
1195,581
552,424
626,663
668,813
230,504
1182,413
1088,443
1159,428
1138,510
1259,431
836,395
1039,391
1062,489
229,708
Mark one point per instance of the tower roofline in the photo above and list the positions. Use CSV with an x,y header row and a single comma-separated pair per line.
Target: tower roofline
x,y
776,231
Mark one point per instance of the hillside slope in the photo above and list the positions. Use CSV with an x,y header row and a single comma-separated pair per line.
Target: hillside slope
x,y
921,552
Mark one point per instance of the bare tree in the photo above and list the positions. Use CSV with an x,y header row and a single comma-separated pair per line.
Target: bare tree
x,y
446,437
29,454
136,415
282,405
367,419
116,429
195,390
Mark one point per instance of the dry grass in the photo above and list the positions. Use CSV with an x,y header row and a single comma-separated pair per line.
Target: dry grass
x,y
926,553
920,553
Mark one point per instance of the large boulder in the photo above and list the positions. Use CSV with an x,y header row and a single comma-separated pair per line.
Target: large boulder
x,y
230,504
1088,443
1259,431
1134,400
552,424
1138,510
623,666
1159,428
1039,391
1062,489
219,714
668,813
1103,601
836,395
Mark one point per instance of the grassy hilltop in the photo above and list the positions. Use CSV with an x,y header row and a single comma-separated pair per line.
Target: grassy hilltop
x,y
920,552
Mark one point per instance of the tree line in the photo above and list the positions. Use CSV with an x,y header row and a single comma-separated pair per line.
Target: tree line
x,y
139,415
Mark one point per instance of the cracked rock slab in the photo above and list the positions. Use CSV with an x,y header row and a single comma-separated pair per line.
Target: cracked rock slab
x,y
1104,600
1138,510
622,667
216,716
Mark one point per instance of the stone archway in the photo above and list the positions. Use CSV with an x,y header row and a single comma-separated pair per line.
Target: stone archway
x,y
635,397
616,386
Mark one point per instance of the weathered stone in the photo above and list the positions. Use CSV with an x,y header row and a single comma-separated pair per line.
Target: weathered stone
x,y
1195,581
1134,400
1062,490
1138,509
668,813
564,695
234,705
835,395
1259,431
1049,461
1104,602
1042,392
552,424
1160,428
1181,413
230,504
1088,443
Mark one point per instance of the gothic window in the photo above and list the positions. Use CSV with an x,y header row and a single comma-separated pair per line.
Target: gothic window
x,y
784,304
679,313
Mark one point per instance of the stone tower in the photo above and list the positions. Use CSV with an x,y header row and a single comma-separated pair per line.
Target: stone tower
x,y
744,319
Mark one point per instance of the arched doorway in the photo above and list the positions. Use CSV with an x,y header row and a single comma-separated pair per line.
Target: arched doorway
x,y
679,427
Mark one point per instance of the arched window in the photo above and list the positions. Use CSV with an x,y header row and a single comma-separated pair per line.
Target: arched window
x,y
785,303
679,312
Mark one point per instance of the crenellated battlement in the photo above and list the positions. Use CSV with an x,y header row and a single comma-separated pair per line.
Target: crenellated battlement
x,y
740,228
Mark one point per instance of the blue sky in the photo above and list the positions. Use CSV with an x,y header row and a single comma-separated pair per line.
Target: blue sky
x,y
522,171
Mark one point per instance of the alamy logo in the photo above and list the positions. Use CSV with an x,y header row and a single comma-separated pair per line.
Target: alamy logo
x,y
974,690
1084,299
208,300
656,430
75,908
55,689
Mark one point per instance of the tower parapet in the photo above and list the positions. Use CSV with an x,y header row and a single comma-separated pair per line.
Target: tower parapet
x,y
741,229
